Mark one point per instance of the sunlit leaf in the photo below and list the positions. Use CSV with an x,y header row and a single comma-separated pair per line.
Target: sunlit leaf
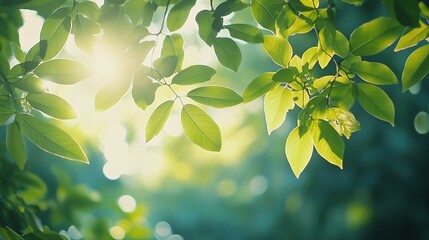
x,y
111,93
173,45
277,103
144,89
50,138
343,121
166,66
416,67
55,31
327,142
412,37
228,7
19,54
178,14
279,49
354,2
298,149
376,102
215,96
15,144
62,71
375,73
200,128
52,105
193,74
158,119
205,20
266,12
245,32
374,36
31,83
228,53
259,86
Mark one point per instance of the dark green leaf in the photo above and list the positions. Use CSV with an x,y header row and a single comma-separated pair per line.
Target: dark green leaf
x,y
416,67
15,144
200,128
376,102
374,36
52,105
228,53
51,138
259,86
5,114
193,74
215,96
245,32
158,119
178,14
62,71
375,73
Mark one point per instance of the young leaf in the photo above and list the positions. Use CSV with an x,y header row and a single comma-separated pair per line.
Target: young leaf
x,y
266,12
51,138
416,67
62,71
52,105
376,102
259,86
193,74
374,36
245,32
277,103
228,53
15,144
55,31
298,149
215,96
327,142
279,49
111,93
200,128
375,73
143,89
205,20
178,14
31,83
158,119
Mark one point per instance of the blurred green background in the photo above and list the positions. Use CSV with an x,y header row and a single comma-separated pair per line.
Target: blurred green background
x,y
247,191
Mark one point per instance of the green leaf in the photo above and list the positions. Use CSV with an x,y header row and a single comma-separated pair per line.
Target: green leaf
x,y
375,73
374,36
158,119
15,144
89,9
327,142
259,86
193,74
51,138
286,75
55,31
228,53
9,234
143,89
228,7
354,2
19,54
5,114
376,102
407,12
277,103
416,67
31,83
111,93
205,21
166,66
335,41
279,49
51,104
4,64
245,32
62,71
173,45
200,128
412,37
298,149
178,14
132,60
266,12
215,96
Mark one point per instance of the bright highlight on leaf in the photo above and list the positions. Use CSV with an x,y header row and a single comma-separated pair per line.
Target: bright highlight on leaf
x,y
375,73
298,149
52,105
200,128
279,49
277,103
62,71
416,67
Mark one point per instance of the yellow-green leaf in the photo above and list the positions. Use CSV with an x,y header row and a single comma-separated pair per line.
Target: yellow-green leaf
x,y
416,67
412,37
228,53
245,32
178,14
52,105
31,83
62,71
215,96
158,119
277,103
376,102
193,74
327,142
200,128
298,149
279,49
375,73
259,86
111,93
55,31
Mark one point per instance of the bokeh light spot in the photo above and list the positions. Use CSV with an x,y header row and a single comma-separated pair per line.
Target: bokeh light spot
x,y
74,233
226,188
127,203
163,229
175,237
117,232
421,122
111,172
258,185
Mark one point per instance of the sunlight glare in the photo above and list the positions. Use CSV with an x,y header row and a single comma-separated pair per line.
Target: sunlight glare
x,y
111,171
